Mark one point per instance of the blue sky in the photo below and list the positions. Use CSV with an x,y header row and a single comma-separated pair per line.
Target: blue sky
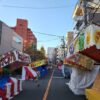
x,y
56,21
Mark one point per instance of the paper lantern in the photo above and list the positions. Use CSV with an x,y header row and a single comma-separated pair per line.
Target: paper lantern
x,y
81,41
76,45
97,38
88,37
92,36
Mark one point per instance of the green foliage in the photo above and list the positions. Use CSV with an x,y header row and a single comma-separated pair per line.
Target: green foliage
x,y
36,54
42,50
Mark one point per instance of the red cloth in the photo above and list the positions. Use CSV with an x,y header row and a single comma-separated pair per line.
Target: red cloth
x,y
12,87
3,94
28,73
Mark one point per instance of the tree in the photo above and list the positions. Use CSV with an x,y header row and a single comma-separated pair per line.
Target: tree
x,y
36,54
42,50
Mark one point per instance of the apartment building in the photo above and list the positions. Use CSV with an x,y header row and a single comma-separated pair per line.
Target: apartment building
x,y
9,40
29,39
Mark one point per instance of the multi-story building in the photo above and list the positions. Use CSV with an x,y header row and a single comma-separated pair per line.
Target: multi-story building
x,y
52,53
32,41
60,53
9,40
29,39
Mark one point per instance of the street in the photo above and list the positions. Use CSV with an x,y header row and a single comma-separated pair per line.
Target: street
x,y
50,50
51,87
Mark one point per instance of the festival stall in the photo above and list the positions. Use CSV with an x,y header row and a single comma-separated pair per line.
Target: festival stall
x,y
83,55
28,73
40,66
9,85
87,43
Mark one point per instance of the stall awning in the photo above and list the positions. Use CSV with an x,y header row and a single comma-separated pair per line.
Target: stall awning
x,y
80,61
13,57
87,43
92,52
38,63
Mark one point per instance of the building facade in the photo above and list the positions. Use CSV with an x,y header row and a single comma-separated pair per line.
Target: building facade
x,y
52,53
60,53
9,40
29,39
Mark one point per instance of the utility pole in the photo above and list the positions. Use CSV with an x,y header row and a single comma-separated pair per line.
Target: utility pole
x,y
63,46
85,11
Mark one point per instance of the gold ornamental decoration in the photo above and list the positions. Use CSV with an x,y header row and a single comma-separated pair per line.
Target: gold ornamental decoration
x,y
97,37
88,37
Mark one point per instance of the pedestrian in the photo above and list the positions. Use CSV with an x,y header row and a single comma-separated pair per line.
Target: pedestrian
x,y
66,70
62,68
59,64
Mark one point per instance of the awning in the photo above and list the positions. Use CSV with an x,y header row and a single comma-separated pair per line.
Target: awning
x,y
92,52
87,43
14,57
38,63
80,61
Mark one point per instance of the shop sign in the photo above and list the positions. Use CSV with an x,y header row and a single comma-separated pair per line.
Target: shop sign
x,y
37,63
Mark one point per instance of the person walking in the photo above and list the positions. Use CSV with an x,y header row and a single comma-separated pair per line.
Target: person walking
x,y
62,69
66,71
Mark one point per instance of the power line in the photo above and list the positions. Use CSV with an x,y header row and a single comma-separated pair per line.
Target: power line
x,y
26,7
48,40
48,34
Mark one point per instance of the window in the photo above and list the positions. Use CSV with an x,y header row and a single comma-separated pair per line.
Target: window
x,y
16,39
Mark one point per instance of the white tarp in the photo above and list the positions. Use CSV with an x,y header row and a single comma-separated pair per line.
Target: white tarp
x,y
80,80
28,71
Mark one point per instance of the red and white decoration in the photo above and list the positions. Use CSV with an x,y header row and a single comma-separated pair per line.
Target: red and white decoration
x,y
12,88
28,72
14,56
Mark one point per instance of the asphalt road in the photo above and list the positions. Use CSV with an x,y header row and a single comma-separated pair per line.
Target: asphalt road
x,y
56,90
